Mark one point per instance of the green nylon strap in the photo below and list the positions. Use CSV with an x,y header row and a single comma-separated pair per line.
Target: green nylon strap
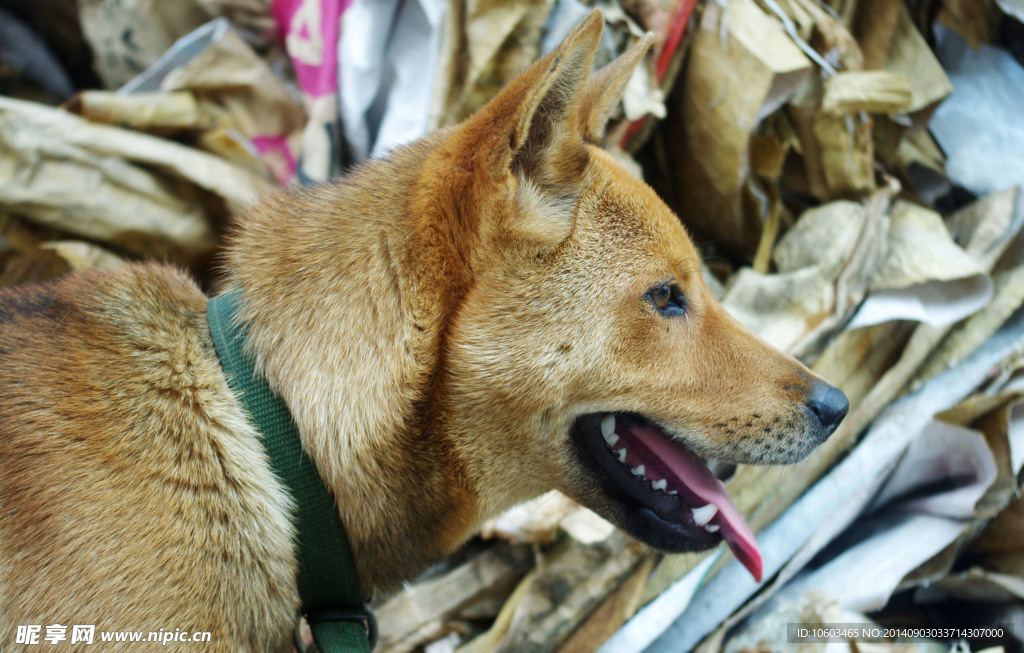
x,y
338,618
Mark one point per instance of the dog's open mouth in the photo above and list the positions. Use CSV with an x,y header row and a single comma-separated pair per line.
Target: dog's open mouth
x,y
663,476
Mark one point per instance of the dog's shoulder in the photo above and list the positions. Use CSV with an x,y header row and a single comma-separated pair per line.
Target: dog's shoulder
x,y
93,340
121,441
92,331
99,299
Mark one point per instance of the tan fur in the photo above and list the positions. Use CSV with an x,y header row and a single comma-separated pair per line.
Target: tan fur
x,y
436,322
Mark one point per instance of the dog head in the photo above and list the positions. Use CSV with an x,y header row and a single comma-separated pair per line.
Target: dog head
x,y
588,355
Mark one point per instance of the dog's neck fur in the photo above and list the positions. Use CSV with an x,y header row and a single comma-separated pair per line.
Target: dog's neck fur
x,y
311,268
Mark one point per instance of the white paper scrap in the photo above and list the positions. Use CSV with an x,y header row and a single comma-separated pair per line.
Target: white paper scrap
x,y
981,126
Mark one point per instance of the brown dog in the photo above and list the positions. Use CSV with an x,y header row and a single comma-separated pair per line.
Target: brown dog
x,y
494,311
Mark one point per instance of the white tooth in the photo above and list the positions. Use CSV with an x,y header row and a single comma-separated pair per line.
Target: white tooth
x,y
607,425
673,492
711,528
622,455
611,439
660,485
639,471
704,514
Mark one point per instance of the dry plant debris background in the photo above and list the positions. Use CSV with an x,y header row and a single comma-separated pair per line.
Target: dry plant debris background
x,y
851,168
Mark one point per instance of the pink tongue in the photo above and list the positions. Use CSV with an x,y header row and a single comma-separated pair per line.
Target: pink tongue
x,y
694,474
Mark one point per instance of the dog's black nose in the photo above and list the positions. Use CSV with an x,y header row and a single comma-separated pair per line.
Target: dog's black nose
x,y
829,404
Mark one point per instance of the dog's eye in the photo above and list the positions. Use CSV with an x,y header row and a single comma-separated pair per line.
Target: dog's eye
x,y
668,299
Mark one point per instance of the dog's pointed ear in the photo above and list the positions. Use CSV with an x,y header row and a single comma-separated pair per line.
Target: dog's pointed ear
x,y
533,122
605,89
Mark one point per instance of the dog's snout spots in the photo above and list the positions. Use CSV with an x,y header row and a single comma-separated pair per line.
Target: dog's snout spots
x,y
782,433
794,390
829,405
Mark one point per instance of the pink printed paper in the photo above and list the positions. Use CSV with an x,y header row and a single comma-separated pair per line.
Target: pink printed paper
x,y
310,30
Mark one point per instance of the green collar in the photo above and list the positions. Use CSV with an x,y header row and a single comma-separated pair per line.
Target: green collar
x,y
326,577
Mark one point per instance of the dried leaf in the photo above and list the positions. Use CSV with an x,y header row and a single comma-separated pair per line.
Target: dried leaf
x,y
610,615
909,54
81,255
876,91
575,584
143,111
417,615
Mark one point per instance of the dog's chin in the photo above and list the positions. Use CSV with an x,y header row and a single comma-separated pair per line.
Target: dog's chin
x,y
657,490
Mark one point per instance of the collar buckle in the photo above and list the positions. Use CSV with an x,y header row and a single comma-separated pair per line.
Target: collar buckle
x,y
362,613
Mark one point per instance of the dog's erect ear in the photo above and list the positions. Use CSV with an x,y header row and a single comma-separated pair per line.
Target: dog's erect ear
x,y
531,126
551,150
605,88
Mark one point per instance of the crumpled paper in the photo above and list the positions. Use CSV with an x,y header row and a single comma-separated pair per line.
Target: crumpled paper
x,y
311,30
234,86
920,274
925,277
99,182
388,61
127,36
742,67
981,127
538,521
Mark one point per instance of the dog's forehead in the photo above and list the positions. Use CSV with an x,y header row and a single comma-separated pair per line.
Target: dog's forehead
x,y
629,216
